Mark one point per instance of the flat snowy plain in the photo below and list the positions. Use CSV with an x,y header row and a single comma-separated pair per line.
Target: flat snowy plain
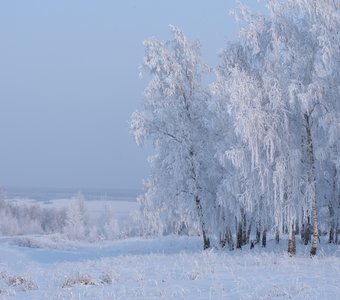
x,y
172,267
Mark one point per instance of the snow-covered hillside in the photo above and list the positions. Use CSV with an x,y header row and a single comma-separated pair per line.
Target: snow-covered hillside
x,y
53,266
163,268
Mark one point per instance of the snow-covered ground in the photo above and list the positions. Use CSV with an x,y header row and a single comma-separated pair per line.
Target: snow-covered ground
x,y
163,268
172,267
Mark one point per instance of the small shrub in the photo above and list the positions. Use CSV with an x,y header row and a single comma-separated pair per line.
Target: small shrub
x,y
78,280
108,278
27,242
26,284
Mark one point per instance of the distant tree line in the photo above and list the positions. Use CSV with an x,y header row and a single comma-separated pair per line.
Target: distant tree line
x,y
70,222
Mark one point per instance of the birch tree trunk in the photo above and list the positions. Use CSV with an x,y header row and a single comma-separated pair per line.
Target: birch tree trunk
x,y
292,242
312,183
206,240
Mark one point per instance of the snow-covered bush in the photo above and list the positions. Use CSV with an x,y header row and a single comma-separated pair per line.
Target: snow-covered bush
x,y
19,282
19,218
76,219
22,283
152,220
78,279
8,224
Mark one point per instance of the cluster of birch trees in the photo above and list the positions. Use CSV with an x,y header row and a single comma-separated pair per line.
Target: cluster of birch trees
x,y
257,150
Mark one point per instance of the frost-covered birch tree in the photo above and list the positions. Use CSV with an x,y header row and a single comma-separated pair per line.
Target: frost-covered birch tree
x,y
253,98
175,119
279,89
235,90
309,42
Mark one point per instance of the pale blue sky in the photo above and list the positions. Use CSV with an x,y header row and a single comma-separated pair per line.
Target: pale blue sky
x,y
69,83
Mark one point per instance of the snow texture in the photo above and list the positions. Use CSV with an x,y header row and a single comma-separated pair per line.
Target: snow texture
x,y
165,268
171,267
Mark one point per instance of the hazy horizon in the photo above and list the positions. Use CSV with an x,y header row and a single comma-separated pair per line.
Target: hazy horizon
x,y
69,84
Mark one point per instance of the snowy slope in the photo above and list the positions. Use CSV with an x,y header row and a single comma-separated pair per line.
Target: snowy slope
x,y
172,267
165,268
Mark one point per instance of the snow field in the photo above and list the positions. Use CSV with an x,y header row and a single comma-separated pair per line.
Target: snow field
x,y
169,268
